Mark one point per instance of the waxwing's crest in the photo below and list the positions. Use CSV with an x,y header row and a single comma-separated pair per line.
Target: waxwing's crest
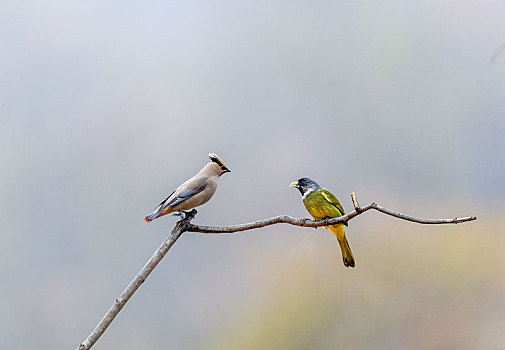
x,y
216,159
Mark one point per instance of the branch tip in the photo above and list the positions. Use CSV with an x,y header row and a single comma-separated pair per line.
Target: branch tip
x,y
355,202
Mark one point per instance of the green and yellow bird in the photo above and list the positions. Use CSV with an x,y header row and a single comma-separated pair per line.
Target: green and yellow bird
x,y
322,204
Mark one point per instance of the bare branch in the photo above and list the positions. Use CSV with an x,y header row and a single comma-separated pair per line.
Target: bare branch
x,y
311,223
137,281
185,225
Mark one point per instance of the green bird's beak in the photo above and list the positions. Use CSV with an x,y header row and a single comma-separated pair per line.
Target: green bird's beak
x,y
294,184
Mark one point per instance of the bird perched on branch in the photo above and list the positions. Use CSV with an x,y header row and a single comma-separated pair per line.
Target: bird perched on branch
x,y
322,204
194,192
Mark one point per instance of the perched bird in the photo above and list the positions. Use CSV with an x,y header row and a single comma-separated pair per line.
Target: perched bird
x,y
194,192
322,204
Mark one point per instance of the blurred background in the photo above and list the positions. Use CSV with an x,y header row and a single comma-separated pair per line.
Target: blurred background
x,y
106,107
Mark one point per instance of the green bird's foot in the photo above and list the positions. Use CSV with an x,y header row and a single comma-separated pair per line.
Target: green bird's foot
x,y
304,221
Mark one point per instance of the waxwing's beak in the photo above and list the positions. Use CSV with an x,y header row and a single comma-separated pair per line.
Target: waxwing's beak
x,y
294,184
226,170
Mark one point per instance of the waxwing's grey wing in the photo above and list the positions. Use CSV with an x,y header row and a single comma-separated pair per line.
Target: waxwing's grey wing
x,y
187,190
185,195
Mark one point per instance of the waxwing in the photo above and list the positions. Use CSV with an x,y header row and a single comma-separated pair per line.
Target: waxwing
x,y
194,192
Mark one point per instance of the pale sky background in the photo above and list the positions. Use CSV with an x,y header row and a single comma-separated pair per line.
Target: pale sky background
x,y
107,106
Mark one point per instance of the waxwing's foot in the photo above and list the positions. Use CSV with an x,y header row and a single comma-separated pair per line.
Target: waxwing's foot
x,y
185,214
191,212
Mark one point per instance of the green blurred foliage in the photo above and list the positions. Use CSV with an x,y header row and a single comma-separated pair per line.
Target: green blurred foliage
x,y
419,290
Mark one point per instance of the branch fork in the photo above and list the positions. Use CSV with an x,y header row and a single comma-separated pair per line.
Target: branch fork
x,y
185,225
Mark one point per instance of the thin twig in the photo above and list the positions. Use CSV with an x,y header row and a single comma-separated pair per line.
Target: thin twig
x,y
497,53
355,202
185,225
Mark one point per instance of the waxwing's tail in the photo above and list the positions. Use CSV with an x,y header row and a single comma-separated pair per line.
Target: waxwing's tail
x,y
153,215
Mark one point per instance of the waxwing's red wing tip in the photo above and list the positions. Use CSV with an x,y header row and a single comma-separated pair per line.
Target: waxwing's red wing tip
x,y
147,220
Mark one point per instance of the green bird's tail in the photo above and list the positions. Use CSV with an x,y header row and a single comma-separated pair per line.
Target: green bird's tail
x,y
347,257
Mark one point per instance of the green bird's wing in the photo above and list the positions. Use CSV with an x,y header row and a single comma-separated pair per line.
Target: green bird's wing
x,y
330,198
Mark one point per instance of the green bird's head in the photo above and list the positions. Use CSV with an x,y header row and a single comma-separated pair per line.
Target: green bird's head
x,y
305,185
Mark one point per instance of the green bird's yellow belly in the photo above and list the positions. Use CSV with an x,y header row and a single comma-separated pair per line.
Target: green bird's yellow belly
x,y
319,208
